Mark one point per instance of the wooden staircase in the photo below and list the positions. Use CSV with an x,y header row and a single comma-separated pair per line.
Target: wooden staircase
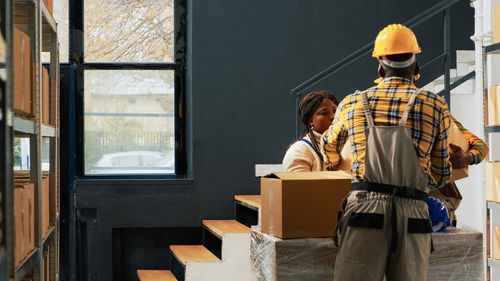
x,y
155,275
225,253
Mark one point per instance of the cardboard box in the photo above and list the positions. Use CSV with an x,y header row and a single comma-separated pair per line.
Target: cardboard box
x,y
492,181
301,259
18,225
494,105
29,74
24,220
50,6
302,204
22,73
17,68
45,96
45,206
496,242
455,137
496,23
29,209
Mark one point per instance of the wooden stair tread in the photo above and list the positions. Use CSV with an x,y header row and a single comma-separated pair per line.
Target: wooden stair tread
x,y
226,226
252,200
155,275
189,253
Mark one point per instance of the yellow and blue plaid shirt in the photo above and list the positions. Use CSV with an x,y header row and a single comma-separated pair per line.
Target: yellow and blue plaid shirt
x,y
429,121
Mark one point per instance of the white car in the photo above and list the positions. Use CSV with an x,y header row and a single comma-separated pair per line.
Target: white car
x,y
135,162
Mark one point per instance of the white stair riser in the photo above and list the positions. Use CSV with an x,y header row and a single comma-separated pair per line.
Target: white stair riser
x,y
235,263
466,56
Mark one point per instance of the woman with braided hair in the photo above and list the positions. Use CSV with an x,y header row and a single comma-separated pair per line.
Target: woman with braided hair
x,y
317,110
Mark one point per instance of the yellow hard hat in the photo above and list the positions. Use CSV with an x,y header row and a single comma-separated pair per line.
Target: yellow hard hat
x,y
395,39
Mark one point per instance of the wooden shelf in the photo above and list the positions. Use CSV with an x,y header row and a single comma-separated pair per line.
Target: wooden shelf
x,y
219,227
251,201
192,253
155,275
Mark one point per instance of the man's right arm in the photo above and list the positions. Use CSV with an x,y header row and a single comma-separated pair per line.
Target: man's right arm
x,y
335,137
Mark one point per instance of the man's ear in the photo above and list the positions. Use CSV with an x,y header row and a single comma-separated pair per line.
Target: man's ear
x,y
417,69
381,70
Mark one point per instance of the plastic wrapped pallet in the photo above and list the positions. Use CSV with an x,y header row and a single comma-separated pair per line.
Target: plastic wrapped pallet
x,y
458,256
276,259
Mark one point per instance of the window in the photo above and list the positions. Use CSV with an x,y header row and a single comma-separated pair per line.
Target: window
x,y
133,78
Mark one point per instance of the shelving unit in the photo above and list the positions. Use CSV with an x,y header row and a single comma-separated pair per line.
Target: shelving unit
x,y
5,142
492,208
41,263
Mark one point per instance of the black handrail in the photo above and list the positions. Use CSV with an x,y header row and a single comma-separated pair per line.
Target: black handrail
x,y
348,60
459,82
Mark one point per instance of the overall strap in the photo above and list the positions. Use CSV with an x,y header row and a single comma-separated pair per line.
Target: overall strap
x,y
366,109
411,102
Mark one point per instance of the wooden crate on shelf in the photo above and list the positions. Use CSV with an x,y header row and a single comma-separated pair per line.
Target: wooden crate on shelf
x,y
22,68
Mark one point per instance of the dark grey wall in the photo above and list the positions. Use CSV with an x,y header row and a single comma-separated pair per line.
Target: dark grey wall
x,y
243,59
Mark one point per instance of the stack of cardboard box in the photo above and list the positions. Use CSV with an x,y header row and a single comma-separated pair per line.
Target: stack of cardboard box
x,y
22,67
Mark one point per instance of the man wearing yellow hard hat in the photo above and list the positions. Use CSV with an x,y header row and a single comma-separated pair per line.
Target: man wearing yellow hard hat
x,y
398,137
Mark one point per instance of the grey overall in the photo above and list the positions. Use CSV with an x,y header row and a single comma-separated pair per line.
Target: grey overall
x,y
385,227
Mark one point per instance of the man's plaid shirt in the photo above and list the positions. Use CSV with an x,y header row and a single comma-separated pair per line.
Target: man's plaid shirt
x,y
429,121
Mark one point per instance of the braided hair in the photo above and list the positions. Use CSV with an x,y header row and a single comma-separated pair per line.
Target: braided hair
x,y
307,106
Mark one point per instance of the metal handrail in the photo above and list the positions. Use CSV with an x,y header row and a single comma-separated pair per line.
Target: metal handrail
x,y
459,82
348,60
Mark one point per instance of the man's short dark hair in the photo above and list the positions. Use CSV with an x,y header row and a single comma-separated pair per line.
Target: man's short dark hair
x,y
399,57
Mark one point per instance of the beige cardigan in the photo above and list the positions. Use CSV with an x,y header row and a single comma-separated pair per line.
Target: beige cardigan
x,y
301,157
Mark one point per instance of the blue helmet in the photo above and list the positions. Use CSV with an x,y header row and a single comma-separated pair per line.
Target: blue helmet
x,y
438,214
